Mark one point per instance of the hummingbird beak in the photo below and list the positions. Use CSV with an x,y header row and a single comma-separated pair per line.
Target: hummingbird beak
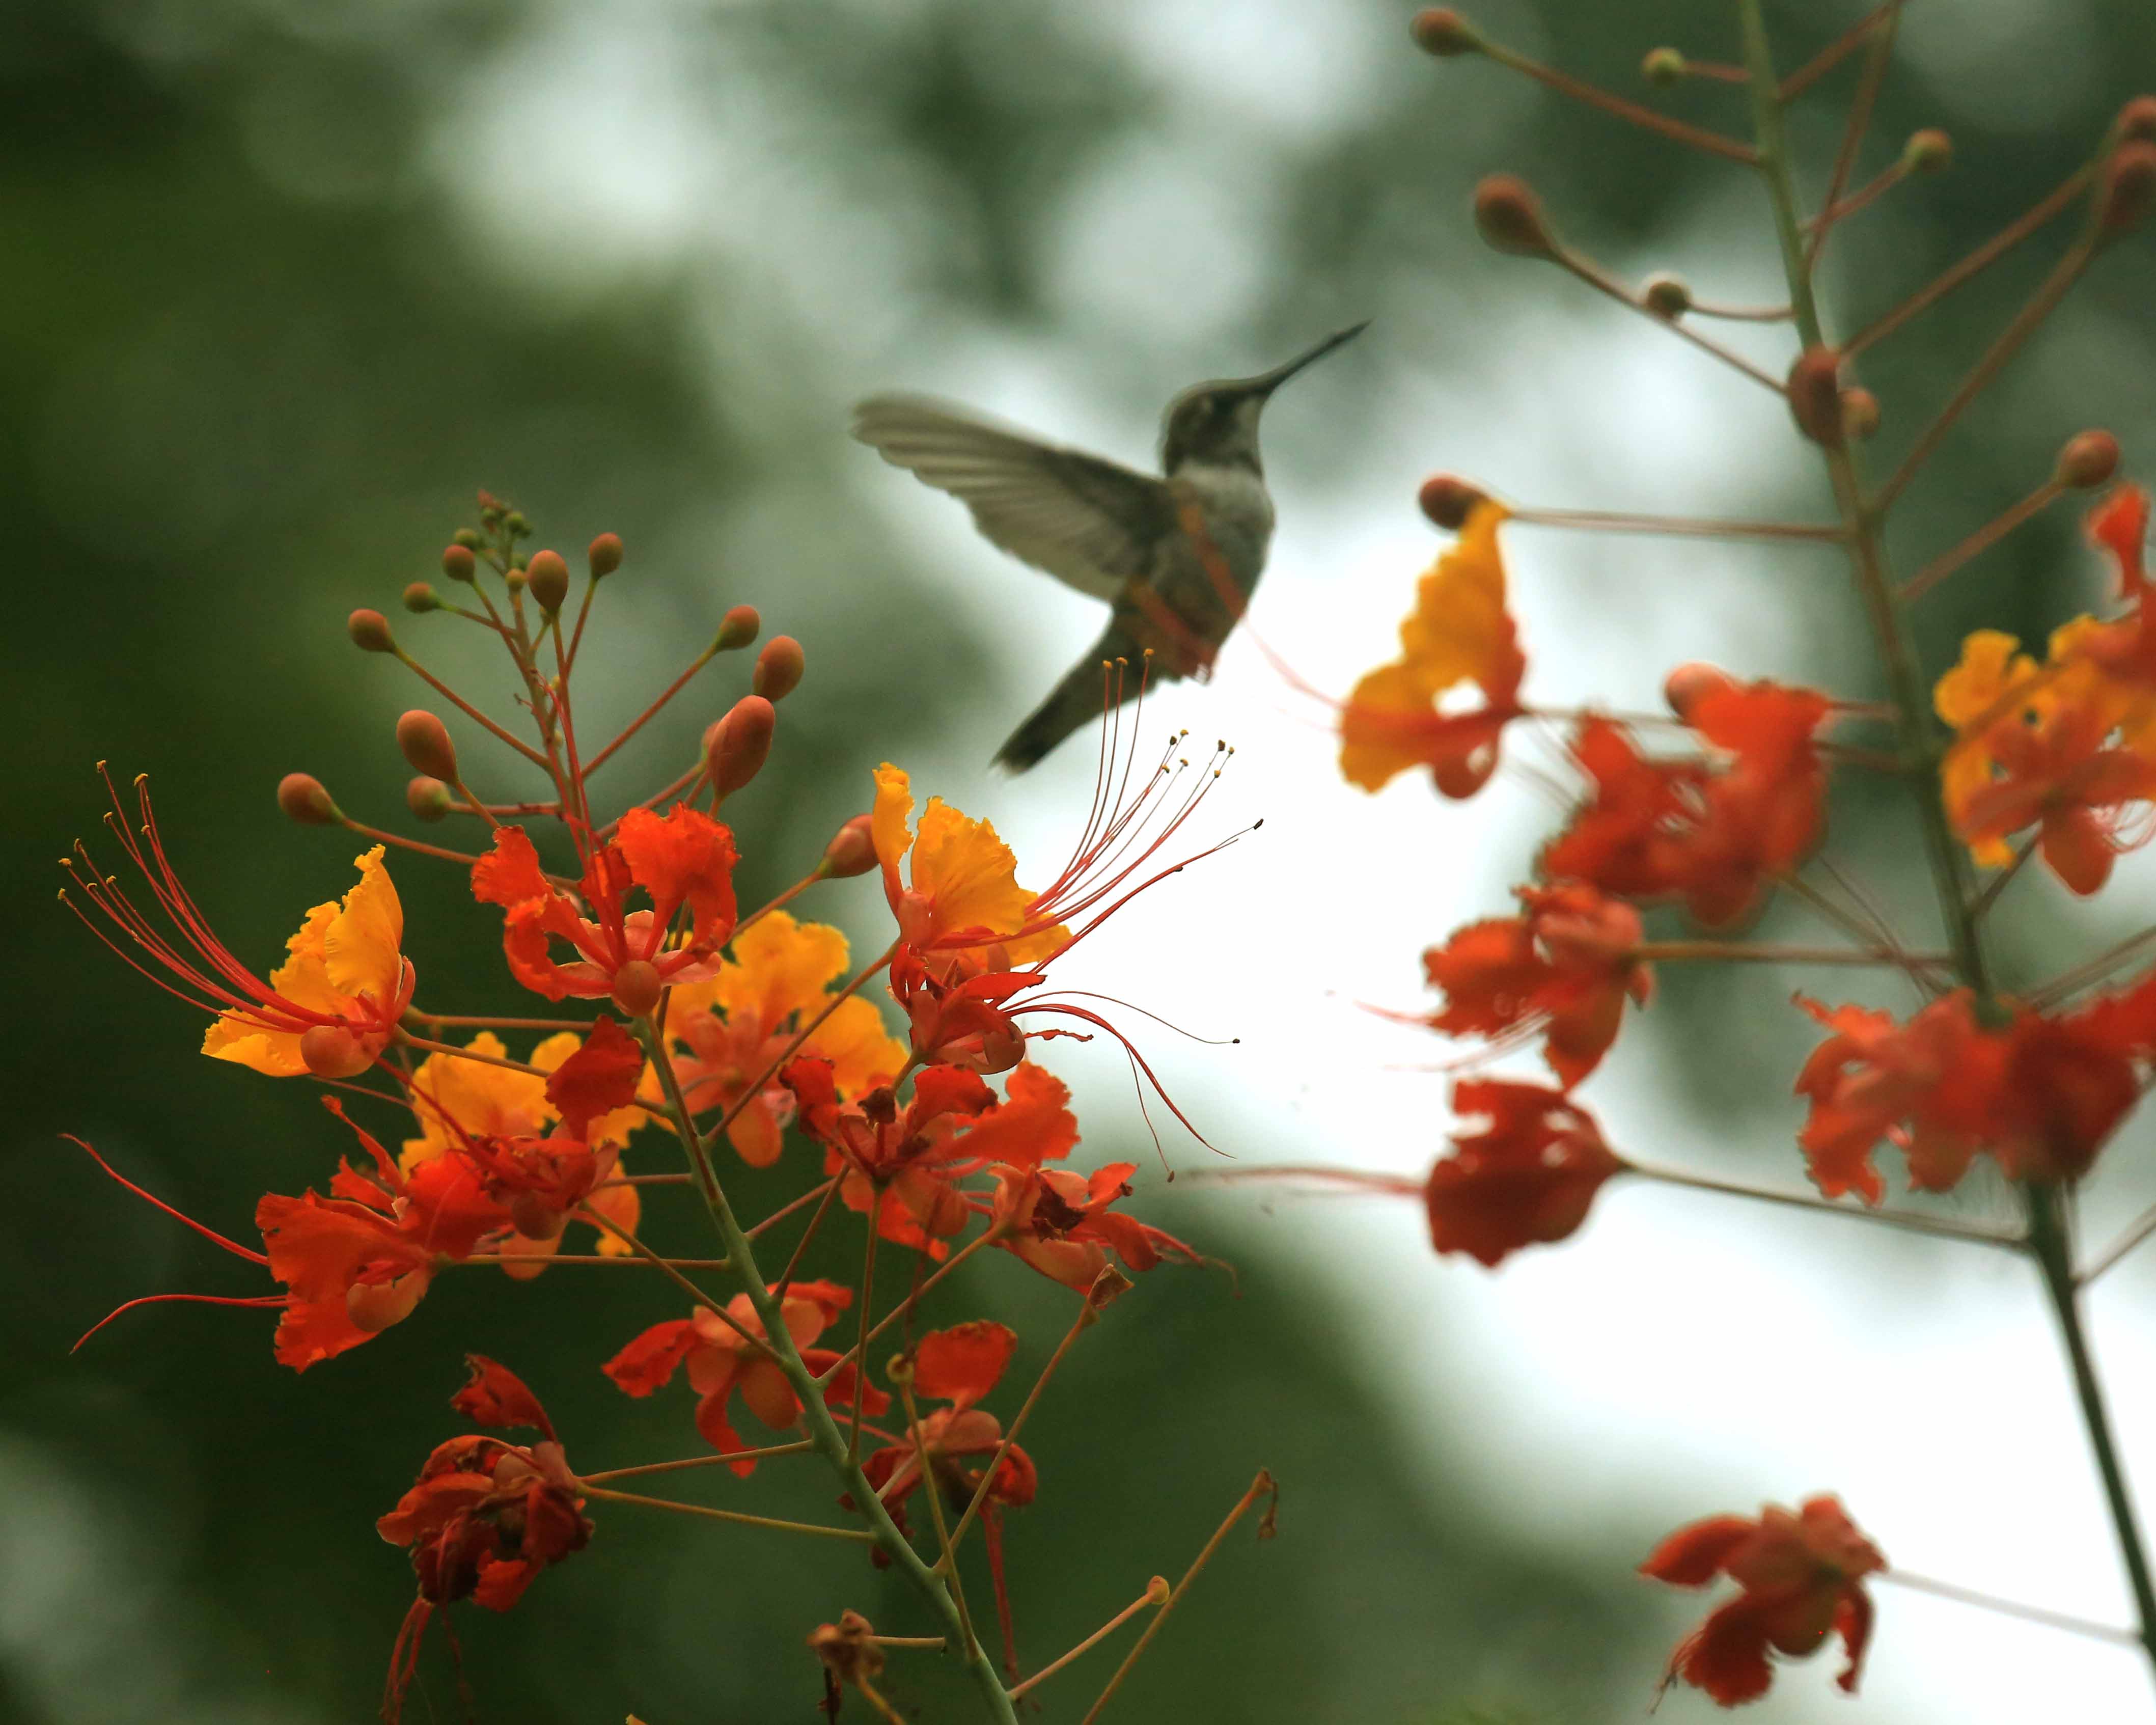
x,y
1265,382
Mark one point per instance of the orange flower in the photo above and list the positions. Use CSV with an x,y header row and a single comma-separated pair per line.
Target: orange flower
x,y
722,1361
960,891
2126,647
1459,633
734,1024
485,1517
1802,1577
680,858
1565,968
1712,831
1526,1178
330,1009
1062,1224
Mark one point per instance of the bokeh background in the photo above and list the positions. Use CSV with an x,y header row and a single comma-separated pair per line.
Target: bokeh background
x,y
282,282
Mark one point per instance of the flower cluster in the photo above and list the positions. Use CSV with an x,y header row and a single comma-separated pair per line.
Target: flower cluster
x,y
944,1135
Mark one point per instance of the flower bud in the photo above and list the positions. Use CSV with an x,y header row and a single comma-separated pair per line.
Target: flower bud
x,y
468,538
1928,152
1663,66
1860,415
370,632
1683,688
459,564
1666,295
1815,396
604,555
420,598
1157,1590
491,509
2129,187
737,628
301,797
514,579
735,748
515,523
2088,459
2136,120
331,1051
637,987
1509,217
1447,499
425,741
1440,31
851,851
429,798
548,577
778,668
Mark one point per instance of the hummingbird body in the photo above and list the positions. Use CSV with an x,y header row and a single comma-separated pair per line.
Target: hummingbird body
x,y
1177,557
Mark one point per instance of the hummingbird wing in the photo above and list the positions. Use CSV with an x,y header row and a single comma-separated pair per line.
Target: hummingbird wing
x,y
1090,523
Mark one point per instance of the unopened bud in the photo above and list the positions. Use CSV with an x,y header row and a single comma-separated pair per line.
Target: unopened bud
x,y
2129,187
1440,31
425,741
301,797
851,851
778,668
737,747
513,578
548,577
2136,120
1683,688
458,563
637,987
515,522
491,509
1509,217
467,537
2089,458
1928,151
1447,499
1860,415
604,555
429,798
331,1051
370,632
737,628
1666,295
1815,396
419,599
1662,65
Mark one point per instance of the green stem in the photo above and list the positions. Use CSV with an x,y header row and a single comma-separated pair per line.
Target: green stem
x,y
2048,1239
823,1430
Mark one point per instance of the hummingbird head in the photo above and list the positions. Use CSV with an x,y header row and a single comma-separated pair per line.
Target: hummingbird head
x,y
1216,422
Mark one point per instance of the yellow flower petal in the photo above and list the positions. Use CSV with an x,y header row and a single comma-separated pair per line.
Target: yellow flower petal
x,y
861,1049
363,944
482,1099
893,810
779,967
966,872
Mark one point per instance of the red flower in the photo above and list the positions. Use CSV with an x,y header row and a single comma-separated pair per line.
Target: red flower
x,y
722,1361
1062,1224
330,1009
681,858
2126,647
1526,1178
1566,968
959,1365
1710,831
1802,1578
910,1166
485,1517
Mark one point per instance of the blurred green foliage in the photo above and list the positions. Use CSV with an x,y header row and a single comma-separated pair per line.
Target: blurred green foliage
x,y
266,323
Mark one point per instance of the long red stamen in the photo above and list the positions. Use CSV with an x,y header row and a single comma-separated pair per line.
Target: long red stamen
x,y
258,1301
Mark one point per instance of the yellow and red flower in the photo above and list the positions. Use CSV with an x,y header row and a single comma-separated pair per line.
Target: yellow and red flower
x,y
1802,1578
1459,634
1065,1224
330,1009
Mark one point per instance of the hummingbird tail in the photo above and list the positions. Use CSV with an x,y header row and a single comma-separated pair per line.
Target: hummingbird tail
x,y
1103,679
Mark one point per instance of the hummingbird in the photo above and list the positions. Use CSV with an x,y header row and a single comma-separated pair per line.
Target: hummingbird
x,y
1175,557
